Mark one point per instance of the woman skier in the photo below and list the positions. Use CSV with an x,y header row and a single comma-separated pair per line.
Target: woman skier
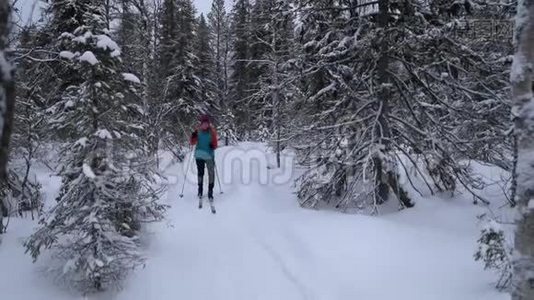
x,y
205,139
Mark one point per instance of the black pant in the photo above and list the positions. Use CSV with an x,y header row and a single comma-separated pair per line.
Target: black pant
x,y
201,165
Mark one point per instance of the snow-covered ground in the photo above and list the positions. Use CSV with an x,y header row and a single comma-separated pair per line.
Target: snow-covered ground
x,y
262,245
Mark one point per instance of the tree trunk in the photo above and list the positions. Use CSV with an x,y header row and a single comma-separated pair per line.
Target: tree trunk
x,y
381,194
513,183
276,96
7,99
7,89
523,113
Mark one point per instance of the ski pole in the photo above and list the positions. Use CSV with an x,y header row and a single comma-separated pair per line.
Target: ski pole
x,y
186,171
217,175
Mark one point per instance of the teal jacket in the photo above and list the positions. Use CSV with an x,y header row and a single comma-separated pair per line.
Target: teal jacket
x,y
206,143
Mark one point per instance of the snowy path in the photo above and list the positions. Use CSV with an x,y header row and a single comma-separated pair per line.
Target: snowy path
x,y
261,245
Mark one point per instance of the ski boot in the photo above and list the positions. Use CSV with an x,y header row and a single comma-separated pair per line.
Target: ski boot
x,y
200,192
210,196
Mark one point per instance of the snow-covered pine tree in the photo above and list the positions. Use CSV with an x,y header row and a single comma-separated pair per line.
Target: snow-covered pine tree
x,y
495,251
523,113
336,107
138,37
206,67
378,103
218,26
162,63
63,16
259,44
218,21
476,108
167,36
239,81
132,37
272,61
204,51
106,188
271,52
494,142
183,96
467,92
28,133
7,98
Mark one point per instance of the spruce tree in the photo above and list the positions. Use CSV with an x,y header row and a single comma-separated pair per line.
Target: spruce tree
x,y
131,39
272,61
183,93
220,36
239,83
206,67
106,190
64,17
219,29
378,103
204,50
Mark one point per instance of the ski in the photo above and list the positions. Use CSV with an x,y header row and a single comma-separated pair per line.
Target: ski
x,y
213,211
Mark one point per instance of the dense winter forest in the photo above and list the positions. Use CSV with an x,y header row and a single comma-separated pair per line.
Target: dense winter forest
x,y
416,113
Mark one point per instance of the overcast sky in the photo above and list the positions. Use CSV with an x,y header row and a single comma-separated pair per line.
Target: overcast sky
x,y
26,7
203,6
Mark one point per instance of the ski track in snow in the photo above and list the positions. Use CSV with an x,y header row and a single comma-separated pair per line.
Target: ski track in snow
x,y
262,246
285,270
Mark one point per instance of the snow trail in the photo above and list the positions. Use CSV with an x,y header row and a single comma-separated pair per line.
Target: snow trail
x,y
262,245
